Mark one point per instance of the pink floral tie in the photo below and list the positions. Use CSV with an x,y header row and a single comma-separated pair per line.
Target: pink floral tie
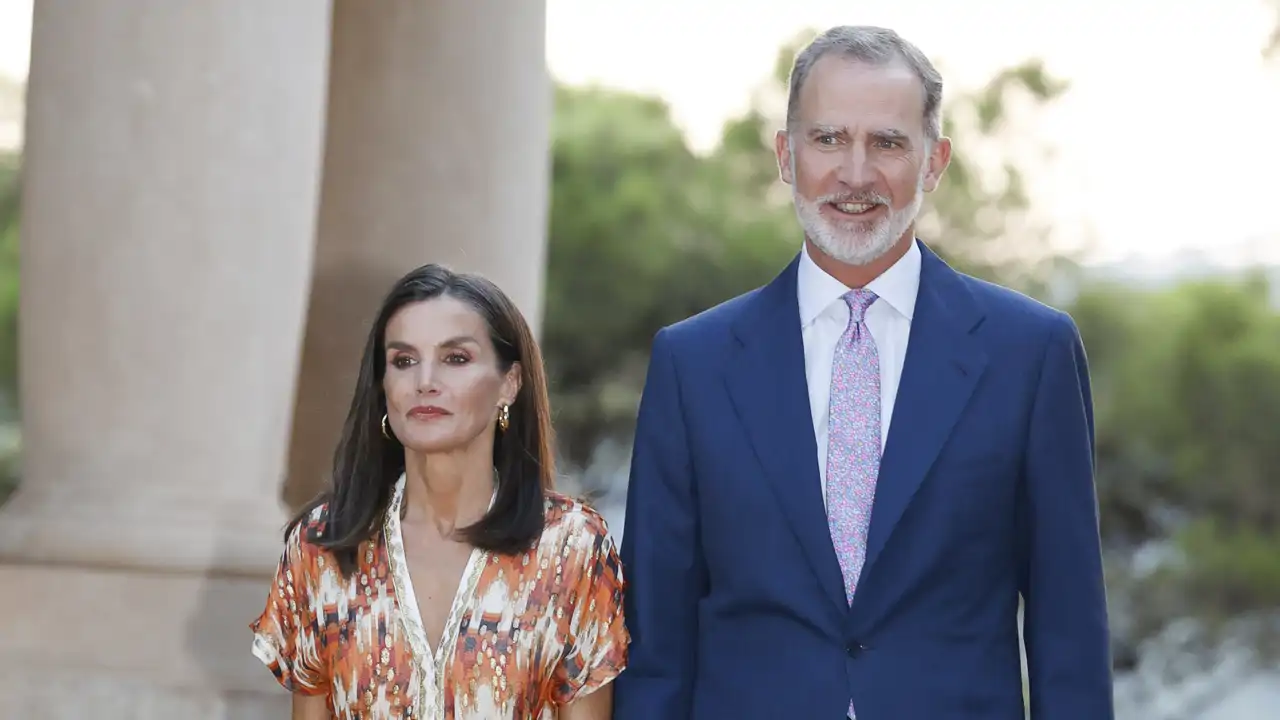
x,y
853,441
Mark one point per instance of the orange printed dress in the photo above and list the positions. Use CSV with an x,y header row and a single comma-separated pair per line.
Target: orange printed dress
x,y
525,634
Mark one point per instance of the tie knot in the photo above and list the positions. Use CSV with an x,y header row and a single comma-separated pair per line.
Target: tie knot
x,y
858,301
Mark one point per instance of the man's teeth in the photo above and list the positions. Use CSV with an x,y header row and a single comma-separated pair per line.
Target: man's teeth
x,y
854,208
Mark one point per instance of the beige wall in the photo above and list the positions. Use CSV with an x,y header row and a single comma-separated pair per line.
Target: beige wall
x,y
172,203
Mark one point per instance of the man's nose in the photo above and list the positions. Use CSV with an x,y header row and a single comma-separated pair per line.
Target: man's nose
x,y
855,168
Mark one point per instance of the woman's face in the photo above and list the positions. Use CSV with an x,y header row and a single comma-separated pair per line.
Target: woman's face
x,y
443,385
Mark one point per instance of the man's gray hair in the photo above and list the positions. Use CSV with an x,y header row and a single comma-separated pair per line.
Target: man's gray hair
x,y
874,46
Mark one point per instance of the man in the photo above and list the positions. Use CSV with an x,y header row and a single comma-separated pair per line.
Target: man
x,y
844,481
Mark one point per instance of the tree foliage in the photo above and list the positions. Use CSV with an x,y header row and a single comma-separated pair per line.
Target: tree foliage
x,y
9,437
1187,386
9,192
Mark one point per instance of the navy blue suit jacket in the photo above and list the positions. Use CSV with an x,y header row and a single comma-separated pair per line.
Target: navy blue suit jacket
x,y
986,494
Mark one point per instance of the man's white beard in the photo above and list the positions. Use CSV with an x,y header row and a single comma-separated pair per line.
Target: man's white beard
x,y
857,242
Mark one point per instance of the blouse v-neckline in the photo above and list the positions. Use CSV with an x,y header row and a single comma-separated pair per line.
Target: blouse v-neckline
x,y
430,663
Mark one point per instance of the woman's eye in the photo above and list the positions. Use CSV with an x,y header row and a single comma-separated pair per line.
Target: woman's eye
x,y
457,359
401,361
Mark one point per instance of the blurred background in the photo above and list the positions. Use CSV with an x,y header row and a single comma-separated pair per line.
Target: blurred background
x,y
201,204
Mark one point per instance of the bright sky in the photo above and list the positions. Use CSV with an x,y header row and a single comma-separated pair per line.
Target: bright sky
x,y
1168,99
15,37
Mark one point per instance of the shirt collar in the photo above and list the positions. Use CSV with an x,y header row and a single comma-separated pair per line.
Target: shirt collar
x,y
897,286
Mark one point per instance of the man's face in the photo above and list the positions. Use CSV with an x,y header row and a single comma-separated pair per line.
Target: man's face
x,y
858,158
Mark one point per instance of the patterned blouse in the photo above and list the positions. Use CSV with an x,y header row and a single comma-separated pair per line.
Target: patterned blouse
x,y
525,634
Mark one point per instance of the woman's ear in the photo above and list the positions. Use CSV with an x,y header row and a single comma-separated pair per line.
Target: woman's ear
x,y
511,384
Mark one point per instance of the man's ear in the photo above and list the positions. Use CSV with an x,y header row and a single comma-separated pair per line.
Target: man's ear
x,y
939,159
782,148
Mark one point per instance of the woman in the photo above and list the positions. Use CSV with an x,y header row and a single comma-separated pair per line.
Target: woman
x,y
440,577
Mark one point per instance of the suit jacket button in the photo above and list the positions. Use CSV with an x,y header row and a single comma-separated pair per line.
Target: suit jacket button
x,y
854,649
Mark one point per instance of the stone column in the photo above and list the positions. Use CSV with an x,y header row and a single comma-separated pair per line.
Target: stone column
x,y
171,178
437,151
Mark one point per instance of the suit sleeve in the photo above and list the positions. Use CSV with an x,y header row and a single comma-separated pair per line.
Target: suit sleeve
x,y
661,555
1065,622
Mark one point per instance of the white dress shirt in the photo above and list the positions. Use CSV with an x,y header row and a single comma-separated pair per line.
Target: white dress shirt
x,y
824,316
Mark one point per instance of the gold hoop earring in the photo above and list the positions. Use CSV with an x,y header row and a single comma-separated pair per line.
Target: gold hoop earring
x,y
504,418
386,432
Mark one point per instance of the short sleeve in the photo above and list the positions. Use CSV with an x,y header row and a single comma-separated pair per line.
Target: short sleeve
x,y
595,650
286,636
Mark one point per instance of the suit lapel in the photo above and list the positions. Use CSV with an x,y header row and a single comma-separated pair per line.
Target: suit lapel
x,y
943,365
769,390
